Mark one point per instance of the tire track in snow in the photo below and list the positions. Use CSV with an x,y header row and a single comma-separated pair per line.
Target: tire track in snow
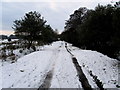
x,y
97,81
48,78
82,77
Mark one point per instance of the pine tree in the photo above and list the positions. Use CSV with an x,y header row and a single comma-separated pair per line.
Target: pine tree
x,y
30,27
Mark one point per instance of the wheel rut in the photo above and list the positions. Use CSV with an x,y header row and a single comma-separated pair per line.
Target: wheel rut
x,y
49,75
47,81
81,75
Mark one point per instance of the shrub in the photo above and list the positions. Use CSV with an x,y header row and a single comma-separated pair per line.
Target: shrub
x,y
20,51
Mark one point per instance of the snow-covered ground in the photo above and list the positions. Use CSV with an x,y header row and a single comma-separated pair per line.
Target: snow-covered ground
x,y
105,68
30,71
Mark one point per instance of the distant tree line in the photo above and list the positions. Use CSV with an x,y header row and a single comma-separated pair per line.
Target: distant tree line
x,y
2,37
32,28
97,29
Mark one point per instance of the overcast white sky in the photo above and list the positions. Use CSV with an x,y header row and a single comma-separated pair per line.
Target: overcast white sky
x,y
54,11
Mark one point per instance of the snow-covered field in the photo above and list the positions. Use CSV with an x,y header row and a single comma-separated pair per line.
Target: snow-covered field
x,y
54,61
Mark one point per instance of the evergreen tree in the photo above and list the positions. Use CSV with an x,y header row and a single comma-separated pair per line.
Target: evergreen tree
x,y
32,28
97,29
72,24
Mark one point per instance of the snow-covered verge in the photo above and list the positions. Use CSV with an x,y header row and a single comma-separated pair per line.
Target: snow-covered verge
x,y
105,68
26,71
30,71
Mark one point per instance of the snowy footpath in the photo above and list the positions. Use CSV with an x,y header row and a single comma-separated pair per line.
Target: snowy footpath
x,y
60,65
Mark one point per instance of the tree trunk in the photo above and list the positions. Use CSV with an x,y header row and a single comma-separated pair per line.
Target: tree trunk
x,y
29,44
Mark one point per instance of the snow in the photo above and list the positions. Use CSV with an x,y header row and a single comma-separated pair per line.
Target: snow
x,y
105,68
65,75
30,70
33,66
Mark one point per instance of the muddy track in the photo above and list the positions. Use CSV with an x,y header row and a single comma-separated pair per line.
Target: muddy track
x,y
82,77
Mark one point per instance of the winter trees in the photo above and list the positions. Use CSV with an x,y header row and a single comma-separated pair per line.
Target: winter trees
x,y
71,33
97,29
32,28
